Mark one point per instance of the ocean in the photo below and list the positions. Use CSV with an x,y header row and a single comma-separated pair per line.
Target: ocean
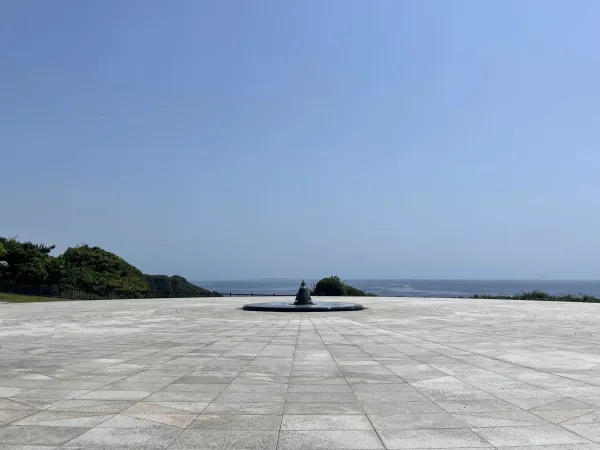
x,y
413,288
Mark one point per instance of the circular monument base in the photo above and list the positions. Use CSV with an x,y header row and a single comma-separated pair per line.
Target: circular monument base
x,y
314,307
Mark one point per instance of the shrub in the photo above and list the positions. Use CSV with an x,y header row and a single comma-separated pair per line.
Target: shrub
x,y
333,286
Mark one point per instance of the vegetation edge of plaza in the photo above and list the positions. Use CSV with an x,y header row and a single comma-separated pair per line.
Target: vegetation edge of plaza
x,y
28,272
542,296
100,274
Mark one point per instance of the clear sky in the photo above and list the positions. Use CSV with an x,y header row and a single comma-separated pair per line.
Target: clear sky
x,y
270,138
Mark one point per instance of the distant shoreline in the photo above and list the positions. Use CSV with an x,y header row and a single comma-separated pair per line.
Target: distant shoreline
x,y
419,287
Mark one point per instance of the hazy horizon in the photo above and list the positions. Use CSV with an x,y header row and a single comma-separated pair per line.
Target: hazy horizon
x,y
417,287
218,140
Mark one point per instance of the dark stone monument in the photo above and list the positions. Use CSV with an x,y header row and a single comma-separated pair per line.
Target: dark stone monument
x,y
303,295
303,303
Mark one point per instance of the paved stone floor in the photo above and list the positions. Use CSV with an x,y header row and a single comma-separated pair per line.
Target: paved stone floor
x,y
201,373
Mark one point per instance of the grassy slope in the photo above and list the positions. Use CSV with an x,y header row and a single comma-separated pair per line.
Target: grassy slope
x,y
543,296
16,298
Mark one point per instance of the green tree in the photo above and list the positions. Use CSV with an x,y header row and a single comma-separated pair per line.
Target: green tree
x,y
24,262
333,286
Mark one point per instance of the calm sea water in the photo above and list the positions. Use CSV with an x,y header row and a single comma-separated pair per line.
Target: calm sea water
x,y
415,288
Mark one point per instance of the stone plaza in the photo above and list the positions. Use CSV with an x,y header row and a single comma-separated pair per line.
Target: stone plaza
x,y
204,374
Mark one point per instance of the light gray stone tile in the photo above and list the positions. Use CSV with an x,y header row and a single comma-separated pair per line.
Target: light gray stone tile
x,y
317,380
162,396
225,439
323,408
508,394
270,388
529,403
275,409
9,391
133,386
567,403
589,430
473,406
534,435
195,387
130,439
49,394
124,421
414,421
431,438
444,383
390,409
237,422
555,447
207,379
250,397
93,406
63,419
185,407
315,440
594,401
590,417
38,404
455,395
325,422
311,388
36,435
26,447
171,420
7,404
578,391
11,415
115,395
563,415
321,397
499,419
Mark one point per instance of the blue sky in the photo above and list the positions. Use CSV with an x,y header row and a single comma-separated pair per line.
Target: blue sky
x,y
228,140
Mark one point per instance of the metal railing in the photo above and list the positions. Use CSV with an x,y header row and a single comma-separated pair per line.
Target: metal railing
x,y
59,292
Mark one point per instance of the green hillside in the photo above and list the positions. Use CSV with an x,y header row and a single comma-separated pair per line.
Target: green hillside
x,y
91,269
95,269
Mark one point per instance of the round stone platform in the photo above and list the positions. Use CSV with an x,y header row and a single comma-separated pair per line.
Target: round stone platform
x,y
303,303
310,307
